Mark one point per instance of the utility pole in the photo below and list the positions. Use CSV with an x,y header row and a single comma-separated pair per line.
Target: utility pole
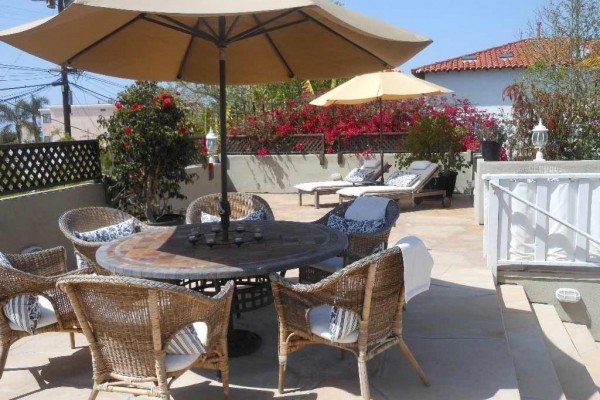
x,y
64,73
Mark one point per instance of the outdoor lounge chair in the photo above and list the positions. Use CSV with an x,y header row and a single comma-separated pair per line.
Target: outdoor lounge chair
x,y
368,174
145,334
396,187
366,299
35,274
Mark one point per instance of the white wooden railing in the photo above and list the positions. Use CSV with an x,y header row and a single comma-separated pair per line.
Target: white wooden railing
x,y
542,220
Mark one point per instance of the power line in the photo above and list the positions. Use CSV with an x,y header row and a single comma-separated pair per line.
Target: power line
x,y
23,94
99,96
25,87
23,68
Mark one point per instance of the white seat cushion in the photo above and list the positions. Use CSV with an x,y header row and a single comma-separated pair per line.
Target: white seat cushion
x,y
176,362
312,186
420,164
319,319
367,209
47,315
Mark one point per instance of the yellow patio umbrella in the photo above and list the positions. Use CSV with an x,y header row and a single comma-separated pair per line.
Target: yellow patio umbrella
x,y
217,42
383,85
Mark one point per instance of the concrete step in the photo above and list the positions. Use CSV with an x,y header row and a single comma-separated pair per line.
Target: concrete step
x,y
570,368
588,349
535,372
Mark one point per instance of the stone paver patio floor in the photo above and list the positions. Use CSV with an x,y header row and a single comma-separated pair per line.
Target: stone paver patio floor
x,y
455,331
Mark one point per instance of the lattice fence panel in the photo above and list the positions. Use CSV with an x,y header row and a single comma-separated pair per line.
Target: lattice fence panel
x,y
292,144
391,143
32,166
315,144
241,145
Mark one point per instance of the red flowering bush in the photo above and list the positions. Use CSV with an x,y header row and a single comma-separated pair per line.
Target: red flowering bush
x,y
271,129
148,140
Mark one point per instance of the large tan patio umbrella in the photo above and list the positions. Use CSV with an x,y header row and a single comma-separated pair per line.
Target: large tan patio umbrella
x,y
382,85
224,42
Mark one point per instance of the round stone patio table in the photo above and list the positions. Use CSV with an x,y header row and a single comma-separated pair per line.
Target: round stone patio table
x,y
169,254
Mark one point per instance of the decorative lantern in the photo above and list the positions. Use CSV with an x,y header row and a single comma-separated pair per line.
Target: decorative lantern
x,y
539,137
211,146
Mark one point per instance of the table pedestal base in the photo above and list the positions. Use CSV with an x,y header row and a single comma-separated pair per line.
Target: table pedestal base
x,y
241,342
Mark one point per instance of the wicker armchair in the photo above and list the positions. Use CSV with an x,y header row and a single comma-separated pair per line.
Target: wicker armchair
x,y
372,287
128,323
359,244
36,274
242,204
91,218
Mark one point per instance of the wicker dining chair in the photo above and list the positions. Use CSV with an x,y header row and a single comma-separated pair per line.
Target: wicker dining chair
x,y
128,323
372,288
241,204
359,244
36,274
87,219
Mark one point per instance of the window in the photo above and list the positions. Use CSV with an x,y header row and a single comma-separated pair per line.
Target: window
x,y
46,119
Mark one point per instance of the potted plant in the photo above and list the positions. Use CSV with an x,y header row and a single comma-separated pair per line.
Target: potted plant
x,y
437,139
149,144
492,134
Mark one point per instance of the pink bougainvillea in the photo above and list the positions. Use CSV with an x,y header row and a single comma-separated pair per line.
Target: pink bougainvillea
x,y
339,122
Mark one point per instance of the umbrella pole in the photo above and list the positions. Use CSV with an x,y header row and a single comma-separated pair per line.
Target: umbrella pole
x,y
225,209
381,136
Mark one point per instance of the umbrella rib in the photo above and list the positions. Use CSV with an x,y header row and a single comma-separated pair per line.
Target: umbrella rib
x,y
262,31
181,27
276,50
253,31
385,64
233,25
105,37
187,52
210,28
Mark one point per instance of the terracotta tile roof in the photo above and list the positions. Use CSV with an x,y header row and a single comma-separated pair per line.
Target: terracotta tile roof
x,y
511,55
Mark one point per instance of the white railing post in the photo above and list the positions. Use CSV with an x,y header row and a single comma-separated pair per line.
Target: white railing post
x,y
492,229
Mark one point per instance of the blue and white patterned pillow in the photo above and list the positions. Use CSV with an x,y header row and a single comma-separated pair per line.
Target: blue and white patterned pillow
x,y
257,215
358,175
401,179
342,323
4,260
23,311
353,226
186,341
108,233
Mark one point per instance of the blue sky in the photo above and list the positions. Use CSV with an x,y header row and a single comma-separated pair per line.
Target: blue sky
x,y
457,27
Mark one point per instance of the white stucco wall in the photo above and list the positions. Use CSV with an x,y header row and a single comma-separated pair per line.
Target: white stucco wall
x,y
482,87
84,120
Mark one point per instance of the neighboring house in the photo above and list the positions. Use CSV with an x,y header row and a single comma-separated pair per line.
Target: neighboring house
x,y
483,75
84,121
